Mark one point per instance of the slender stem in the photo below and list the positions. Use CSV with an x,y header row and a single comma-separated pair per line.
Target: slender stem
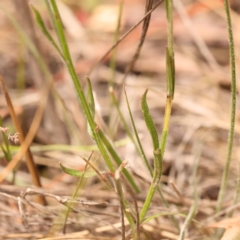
x,y
78,86
233,108
167,116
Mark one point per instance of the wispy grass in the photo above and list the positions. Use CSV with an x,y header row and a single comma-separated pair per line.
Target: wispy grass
x,y
103,144
233,108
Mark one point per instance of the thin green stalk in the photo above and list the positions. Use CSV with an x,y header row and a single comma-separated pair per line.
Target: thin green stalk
x,y
143,155
116,36
78,86
138,147
170,50
170,75
94,128
118,160
233,108
80,183
157,173
65,148
166,122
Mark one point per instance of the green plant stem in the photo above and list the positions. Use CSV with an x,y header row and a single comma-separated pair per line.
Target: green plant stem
x,y
87,111
156,179
167,116
118,161
78,86
233,108
142,153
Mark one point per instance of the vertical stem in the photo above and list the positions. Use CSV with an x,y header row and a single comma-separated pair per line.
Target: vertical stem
x,y
233,108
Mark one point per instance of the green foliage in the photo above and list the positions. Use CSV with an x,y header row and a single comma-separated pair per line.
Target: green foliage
x,y
149,122
77,173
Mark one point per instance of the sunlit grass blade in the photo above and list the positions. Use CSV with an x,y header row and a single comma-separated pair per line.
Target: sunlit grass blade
x,y
118,160
166,122
170,78
6,149
170,73
78,173
170,63
149,121
143,155
150,218
157,173
138,147
122,118
78,86
41,25
91,104
145,159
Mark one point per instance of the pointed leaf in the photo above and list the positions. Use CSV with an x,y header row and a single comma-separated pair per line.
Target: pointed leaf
x,y
45,31
91,104
77,173
143,155
149,122
91,101
5,153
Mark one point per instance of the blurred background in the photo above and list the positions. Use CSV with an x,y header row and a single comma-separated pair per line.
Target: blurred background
x,y
201,108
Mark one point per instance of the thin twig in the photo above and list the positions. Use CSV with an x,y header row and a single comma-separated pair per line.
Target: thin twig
x,y
145,26
123,37
29,158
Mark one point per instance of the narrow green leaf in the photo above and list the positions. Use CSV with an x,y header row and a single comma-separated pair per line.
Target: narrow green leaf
x,y
118,160
77,84
149,122
143,155
156,179
77,173
6,149
91,102
170,73
45,31
5,153
148,219
170,63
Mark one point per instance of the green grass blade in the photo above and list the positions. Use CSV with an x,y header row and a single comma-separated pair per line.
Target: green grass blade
x,y
156,179
78,173
45,31
138,147
166,122
143,155
118,160
78,87
170,50
233,108
149,122
91,104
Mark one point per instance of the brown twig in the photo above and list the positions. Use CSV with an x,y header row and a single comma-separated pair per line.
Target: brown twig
x,y
123,37
145,26
29,158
